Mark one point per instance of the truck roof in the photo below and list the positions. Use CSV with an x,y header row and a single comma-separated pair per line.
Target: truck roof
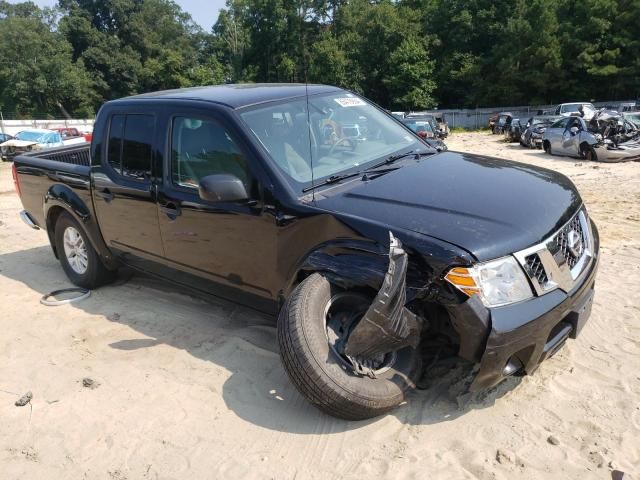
x,y
237,95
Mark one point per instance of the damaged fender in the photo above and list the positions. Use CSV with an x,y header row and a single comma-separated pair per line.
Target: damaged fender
x,y
387,325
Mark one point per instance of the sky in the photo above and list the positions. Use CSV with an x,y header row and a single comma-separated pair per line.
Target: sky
x,y
203,12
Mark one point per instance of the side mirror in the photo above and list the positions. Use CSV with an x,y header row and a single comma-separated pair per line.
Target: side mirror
x,y
574,130
222,188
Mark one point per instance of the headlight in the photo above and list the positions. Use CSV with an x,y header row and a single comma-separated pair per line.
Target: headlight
x,y
498,282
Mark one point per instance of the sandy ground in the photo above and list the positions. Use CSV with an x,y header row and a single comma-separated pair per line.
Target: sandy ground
x,y
191,389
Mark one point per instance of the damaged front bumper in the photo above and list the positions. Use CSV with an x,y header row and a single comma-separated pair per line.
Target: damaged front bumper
x,y
623,152
517,338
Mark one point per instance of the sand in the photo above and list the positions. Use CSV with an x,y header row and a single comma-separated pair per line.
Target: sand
x,y
185,388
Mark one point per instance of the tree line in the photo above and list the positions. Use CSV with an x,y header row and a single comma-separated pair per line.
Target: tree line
x,y
403,54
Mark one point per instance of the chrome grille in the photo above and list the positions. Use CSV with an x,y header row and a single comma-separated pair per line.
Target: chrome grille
x,y
536,269
565,240
558,261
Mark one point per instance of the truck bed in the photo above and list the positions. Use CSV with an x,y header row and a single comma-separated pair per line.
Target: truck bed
x,y
41,172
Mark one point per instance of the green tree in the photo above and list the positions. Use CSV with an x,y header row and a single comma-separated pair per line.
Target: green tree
x,y
37,73
410,81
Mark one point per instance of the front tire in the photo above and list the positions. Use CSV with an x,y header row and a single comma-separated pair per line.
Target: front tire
x,y
78,258
320,374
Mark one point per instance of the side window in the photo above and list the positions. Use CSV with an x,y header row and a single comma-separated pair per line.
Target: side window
x,y
562,123
129,149
203,147
114,147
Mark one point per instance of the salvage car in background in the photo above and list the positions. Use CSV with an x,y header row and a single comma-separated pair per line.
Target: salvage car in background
x,y
373,250
514,130
424,126
576,108
532,135
30,140
502,123
607,137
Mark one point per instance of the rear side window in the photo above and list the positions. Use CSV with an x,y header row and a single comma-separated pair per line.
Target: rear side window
x,y
129,149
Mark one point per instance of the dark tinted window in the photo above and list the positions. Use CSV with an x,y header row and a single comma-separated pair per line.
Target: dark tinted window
x,y
129,148
136,146
200,148
114,150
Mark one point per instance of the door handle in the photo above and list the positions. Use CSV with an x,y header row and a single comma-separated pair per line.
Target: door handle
x,y
171,210
106,194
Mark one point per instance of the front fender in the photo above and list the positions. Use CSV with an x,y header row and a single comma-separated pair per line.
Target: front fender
x,y
348,263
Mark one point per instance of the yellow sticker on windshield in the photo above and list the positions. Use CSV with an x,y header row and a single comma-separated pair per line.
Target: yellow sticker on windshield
x,y
349,102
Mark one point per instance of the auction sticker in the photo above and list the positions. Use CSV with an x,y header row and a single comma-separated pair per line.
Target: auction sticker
x,y
349,102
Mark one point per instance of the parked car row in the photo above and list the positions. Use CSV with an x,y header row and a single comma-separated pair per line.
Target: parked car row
x,y
38,139
577,129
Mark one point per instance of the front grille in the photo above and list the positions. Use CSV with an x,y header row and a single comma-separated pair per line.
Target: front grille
x,y
571,241
559,261
536,269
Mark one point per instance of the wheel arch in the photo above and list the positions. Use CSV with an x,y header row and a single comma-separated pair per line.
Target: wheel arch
x,y
347,263
61,199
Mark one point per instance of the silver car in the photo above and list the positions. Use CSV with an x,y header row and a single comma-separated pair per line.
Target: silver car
x,y
571,137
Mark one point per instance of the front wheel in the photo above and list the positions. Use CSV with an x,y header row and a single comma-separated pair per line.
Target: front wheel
x,y
77,256
313,327
589,154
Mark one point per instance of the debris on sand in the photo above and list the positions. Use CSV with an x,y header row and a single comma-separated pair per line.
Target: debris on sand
x,y
23,400
553,440
90,383
505,456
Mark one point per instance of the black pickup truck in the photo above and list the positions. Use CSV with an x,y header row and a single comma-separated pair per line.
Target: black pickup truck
x,y
313,204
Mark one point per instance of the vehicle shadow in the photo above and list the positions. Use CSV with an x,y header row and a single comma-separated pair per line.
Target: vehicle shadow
x,y
237,339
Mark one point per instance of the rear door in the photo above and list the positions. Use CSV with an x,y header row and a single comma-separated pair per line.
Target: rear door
x,y
124,185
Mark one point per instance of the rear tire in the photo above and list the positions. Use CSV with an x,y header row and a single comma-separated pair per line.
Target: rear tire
x,y
546,146
320,374
78,258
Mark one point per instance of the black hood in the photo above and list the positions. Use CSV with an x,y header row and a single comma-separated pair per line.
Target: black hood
x,y
487,206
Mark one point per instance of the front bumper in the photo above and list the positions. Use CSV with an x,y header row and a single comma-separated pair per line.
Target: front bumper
x,y
523,335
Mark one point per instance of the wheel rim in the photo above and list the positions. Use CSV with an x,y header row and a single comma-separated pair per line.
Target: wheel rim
x,y
75,250
341,314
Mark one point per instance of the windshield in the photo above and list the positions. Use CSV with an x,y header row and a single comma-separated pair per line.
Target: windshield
x,y
30,136
39,137
575,107
633,118
347,134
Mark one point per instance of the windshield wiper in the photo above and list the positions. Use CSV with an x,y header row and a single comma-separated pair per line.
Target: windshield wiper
x,y
332,179
393,158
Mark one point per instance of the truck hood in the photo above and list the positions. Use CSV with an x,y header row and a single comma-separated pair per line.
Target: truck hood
x,y
487,206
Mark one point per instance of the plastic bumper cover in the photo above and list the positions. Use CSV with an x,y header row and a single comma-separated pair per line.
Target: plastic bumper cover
x,y
524,334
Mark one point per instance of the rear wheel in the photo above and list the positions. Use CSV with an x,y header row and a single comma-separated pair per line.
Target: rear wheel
x,y
77,256
312,329
547,147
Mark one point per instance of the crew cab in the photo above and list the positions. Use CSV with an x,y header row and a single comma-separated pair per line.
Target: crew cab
x,y
313,204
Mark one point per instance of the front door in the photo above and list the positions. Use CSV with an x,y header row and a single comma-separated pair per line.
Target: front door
x,y
123,190
570,139
223,248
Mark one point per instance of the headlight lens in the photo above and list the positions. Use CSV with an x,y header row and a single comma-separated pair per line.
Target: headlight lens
x,y
498,282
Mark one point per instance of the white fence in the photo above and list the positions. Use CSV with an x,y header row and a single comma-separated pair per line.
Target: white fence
x,y
14,126
475,118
